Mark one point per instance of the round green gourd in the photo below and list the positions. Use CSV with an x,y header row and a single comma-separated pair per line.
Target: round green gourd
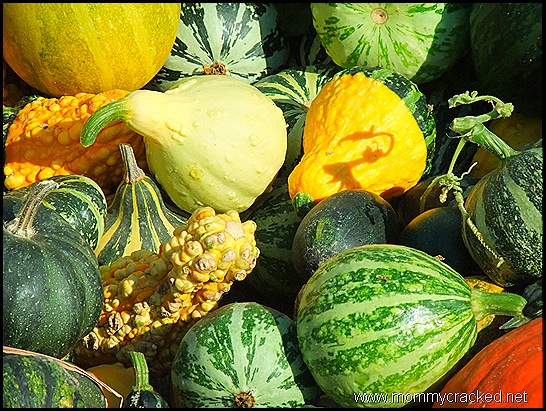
x,y
242,40
142,394
384,318
419,41
52,288
242,355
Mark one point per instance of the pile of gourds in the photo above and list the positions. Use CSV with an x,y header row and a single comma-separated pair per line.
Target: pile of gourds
x,y
215,206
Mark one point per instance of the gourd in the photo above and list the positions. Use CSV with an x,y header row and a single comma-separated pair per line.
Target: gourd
x,y
533,294
142,394
344,220
43,141
418,41
151,299
243,355
502,214
51,279
210,141
390,319
31,380
68,48
78,199
508,372
380,140
116,376
242,40
137,218
292,90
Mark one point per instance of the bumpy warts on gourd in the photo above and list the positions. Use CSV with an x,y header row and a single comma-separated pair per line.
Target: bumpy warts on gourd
x,y
151,300
44,141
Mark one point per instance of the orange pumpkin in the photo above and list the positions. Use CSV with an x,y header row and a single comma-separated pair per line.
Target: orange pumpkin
x,y
507,373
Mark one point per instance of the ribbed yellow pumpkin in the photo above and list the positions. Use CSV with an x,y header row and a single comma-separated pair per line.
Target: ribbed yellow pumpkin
x,y
68,48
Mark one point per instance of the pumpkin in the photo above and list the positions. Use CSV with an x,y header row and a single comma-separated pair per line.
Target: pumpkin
x,y
243,355
368,128
142,394
212,140
419,41
51,280
389,319
116,376
236,39
69,48
137,217
507,373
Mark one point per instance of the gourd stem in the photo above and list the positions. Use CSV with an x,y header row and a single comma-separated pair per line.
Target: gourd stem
x,y
141,372
484,303
22,225
116,110
133,172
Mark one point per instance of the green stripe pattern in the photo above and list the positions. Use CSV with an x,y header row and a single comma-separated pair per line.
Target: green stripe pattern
x,y
421,41
293,91
242,348
506,207
243,36
383,318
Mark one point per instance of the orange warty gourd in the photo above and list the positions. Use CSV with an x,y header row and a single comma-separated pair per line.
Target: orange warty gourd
x,y
44,141
367,129
510,369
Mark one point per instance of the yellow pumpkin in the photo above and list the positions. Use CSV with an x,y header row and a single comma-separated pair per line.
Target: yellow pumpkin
x,y
68,48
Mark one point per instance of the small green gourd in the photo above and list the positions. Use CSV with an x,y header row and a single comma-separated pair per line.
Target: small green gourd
x,y
142,394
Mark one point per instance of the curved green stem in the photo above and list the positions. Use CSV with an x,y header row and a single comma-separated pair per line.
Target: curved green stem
x,y
116,110
140,366
484,303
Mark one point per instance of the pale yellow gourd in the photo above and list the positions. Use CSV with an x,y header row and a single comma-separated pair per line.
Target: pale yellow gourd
x,y
211,140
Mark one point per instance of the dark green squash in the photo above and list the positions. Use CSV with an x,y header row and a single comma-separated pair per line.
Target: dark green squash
x,y
142,394
38,381
78,199
533,294
138,218
52,288
344,220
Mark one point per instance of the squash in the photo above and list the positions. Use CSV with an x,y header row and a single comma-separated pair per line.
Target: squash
x,y
368,128
502,214
78,199
508,69
507,373
533,294
344,220
43,141
31,380
517,130
418,41
69,48
309,51
116,376
210,141
243,355
137,218
242,40
51,279
151,299
389,319
142,394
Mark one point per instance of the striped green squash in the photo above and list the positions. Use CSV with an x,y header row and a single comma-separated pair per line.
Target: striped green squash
x,y
277,224
78,199
238,39
292,90
36,381
389,319
242,355
138,218
421,41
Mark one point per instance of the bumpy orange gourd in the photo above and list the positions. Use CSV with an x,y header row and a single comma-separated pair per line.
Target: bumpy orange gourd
x,y
509,369
361,134
44,141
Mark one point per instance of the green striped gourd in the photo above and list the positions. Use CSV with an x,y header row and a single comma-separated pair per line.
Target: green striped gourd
x,y
389,319
138,218
277,223
78,199
242,355
292,90
238,39
419,41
